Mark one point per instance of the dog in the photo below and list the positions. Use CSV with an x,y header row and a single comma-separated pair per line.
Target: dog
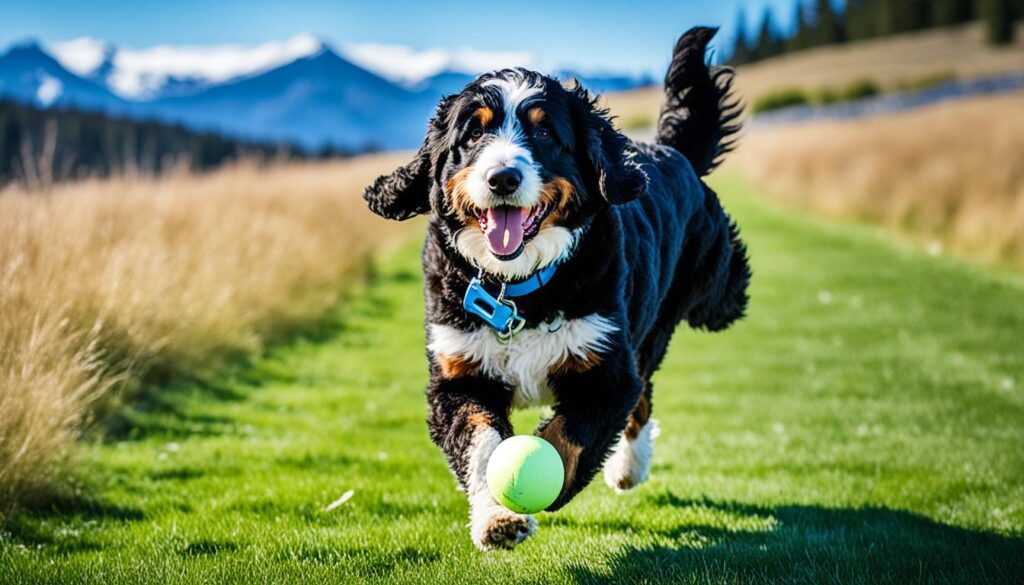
x,y
559,258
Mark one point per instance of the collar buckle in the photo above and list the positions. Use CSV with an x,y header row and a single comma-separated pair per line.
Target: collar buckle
x,y
501,313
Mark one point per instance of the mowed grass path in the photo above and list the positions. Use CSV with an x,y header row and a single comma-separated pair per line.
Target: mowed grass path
x,y
864,424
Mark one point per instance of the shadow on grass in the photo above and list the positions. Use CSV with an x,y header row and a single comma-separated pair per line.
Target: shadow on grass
x,y
164,403
49,525
164,410
812,544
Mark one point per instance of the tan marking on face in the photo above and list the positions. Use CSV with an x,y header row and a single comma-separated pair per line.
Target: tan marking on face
x,y
457,194
638,418
554,433
559,193
485,115
455,366
536,115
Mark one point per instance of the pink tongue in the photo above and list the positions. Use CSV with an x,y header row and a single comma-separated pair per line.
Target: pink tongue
x,y
505,229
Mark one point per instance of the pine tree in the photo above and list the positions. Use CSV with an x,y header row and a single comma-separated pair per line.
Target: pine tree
x,y
998,17
1018,9
887,17
769,43
917,14
951,12
801,36
828,27
741,49
93,144
858,20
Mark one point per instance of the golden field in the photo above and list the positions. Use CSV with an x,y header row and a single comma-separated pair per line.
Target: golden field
x,y
952,174
102,282
958,51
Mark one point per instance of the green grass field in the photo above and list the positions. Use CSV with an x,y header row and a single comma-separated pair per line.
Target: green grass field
x,y
865,424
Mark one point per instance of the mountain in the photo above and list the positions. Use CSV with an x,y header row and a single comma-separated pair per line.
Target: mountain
x,y
443,83
448,82
30,75
299,90
605,82
315,101
164,70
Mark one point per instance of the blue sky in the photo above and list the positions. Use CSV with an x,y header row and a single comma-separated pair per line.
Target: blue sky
x,y
624,35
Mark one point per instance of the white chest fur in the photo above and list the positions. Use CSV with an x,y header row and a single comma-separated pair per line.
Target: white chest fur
x,y
524,361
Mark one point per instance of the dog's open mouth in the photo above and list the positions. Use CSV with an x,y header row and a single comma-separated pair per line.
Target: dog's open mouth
x,y
508,228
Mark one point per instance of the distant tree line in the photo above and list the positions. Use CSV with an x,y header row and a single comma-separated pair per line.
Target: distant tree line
x,y
820,22
42,146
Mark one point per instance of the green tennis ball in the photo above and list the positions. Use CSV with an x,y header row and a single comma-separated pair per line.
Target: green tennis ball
x,y
525,474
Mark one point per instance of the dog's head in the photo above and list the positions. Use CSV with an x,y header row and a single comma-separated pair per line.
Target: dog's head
x,y
513,166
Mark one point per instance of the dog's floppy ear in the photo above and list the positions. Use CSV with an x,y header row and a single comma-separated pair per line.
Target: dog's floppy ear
x,y
608,166
405,193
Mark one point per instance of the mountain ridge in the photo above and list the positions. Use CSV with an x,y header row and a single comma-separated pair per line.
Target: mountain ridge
x,y
301,90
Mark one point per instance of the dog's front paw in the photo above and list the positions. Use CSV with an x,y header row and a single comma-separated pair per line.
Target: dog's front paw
x,y
501,528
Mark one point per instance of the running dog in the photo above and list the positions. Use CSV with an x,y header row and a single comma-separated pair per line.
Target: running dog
x,y
559,259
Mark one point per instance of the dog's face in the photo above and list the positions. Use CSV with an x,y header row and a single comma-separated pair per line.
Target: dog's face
x,y
513,166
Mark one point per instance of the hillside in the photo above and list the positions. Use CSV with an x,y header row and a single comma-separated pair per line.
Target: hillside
x,y
950,176
959,51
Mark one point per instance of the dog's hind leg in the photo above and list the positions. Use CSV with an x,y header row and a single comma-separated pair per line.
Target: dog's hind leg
x,y
630,462
468,419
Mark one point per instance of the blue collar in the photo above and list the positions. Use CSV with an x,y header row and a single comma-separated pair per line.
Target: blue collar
x,y
531,284
501,313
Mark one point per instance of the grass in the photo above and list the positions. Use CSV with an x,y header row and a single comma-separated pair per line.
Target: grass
x,y
783,98
795,96
925,81
864,424
952,174
859,89
107,283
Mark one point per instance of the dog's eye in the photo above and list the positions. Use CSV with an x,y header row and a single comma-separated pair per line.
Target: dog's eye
x,y
543,133
475,134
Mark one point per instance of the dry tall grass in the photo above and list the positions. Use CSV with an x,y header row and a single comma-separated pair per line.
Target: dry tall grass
x,y
952,173
108,279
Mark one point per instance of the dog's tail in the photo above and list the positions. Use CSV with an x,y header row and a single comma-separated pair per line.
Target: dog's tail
x,y
700,118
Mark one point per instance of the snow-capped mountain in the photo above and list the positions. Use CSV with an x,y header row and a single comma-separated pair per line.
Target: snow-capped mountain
x,y
155,72
316,100
414,67
299,90
160,71
30,74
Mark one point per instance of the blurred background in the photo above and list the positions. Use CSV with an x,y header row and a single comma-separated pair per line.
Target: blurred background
x,y
134,87
141,90
180,191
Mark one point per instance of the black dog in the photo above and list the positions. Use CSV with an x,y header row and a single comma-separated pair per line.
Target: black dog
x,y
559,259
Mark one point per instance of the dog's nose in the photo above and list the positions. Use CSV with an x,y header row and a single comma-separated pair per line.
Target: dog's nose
x,y
504,180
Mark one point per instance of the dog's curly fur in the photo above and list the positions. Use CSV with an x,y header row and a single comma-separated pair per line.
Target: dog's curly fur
x,y
640,241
